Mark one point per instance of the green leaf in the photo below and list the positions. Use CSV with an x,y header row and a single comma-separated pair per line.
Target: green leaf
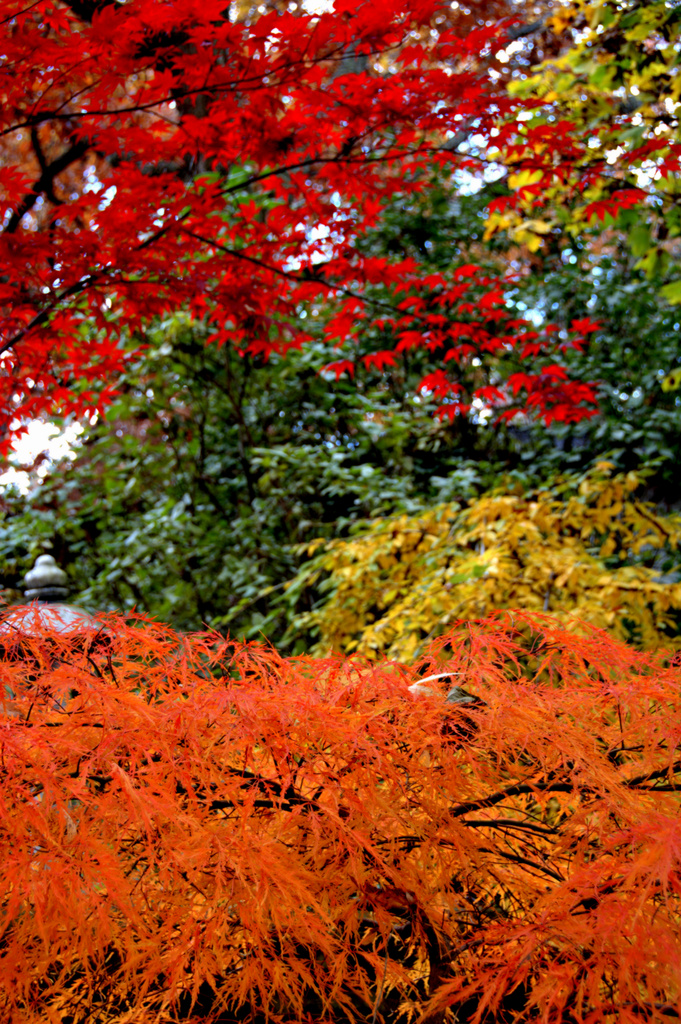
x,y
640,240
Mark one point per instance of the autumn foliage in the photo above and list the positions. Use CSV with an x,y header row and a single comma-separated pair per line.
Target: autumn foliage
x,y
229,161
195,829
585,549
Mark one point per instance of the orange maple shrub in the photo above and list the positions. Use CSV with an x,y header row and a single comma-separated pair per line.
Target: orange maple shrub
x,y
194,829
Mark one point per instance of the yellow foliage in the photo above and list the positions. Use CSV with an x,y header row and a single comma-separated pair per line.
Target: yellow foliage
x,y
522,179
614,81
574,550
529,232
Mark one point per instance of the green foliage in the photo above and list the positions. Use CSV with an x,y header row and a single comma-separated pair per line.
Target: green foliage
x,y
190,499
196,499
570,280
635,348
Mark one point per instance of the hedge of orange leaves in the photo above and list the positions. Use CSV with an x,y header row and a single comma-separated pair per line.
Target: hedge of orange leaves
x,y
196,829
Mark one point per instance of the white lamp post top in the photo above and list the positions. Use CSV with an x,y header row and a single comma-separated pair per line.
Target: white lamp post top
x,y
45,584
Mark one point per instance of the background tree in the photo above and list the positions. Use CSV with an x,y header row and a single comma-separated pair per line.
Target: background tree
x,y
590,280
196,498
614,89
241,185
191,499
584,549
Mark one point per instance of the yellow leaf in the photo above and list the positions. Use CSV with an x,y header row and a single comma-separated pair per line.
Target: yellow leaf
x,y
523,178
561,21
672,382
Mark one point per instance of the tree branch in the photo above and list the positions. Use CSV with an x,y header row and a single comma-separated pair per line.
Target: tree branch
x,y
547,786
45,183
43,316
293,277
520,31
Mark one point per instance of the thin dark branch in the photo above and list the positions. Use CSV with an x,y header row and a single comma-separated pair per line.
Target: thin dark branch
x,y
646,515
660,773
509,823
45,182
249,259
516,858
43,316
293,277
287,73
17,14
520,31
520,789
275,794
547,786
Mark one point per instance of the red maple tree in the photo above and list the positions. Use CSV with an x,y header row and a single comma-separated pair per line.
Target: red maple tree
x,y
193,829
227,160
